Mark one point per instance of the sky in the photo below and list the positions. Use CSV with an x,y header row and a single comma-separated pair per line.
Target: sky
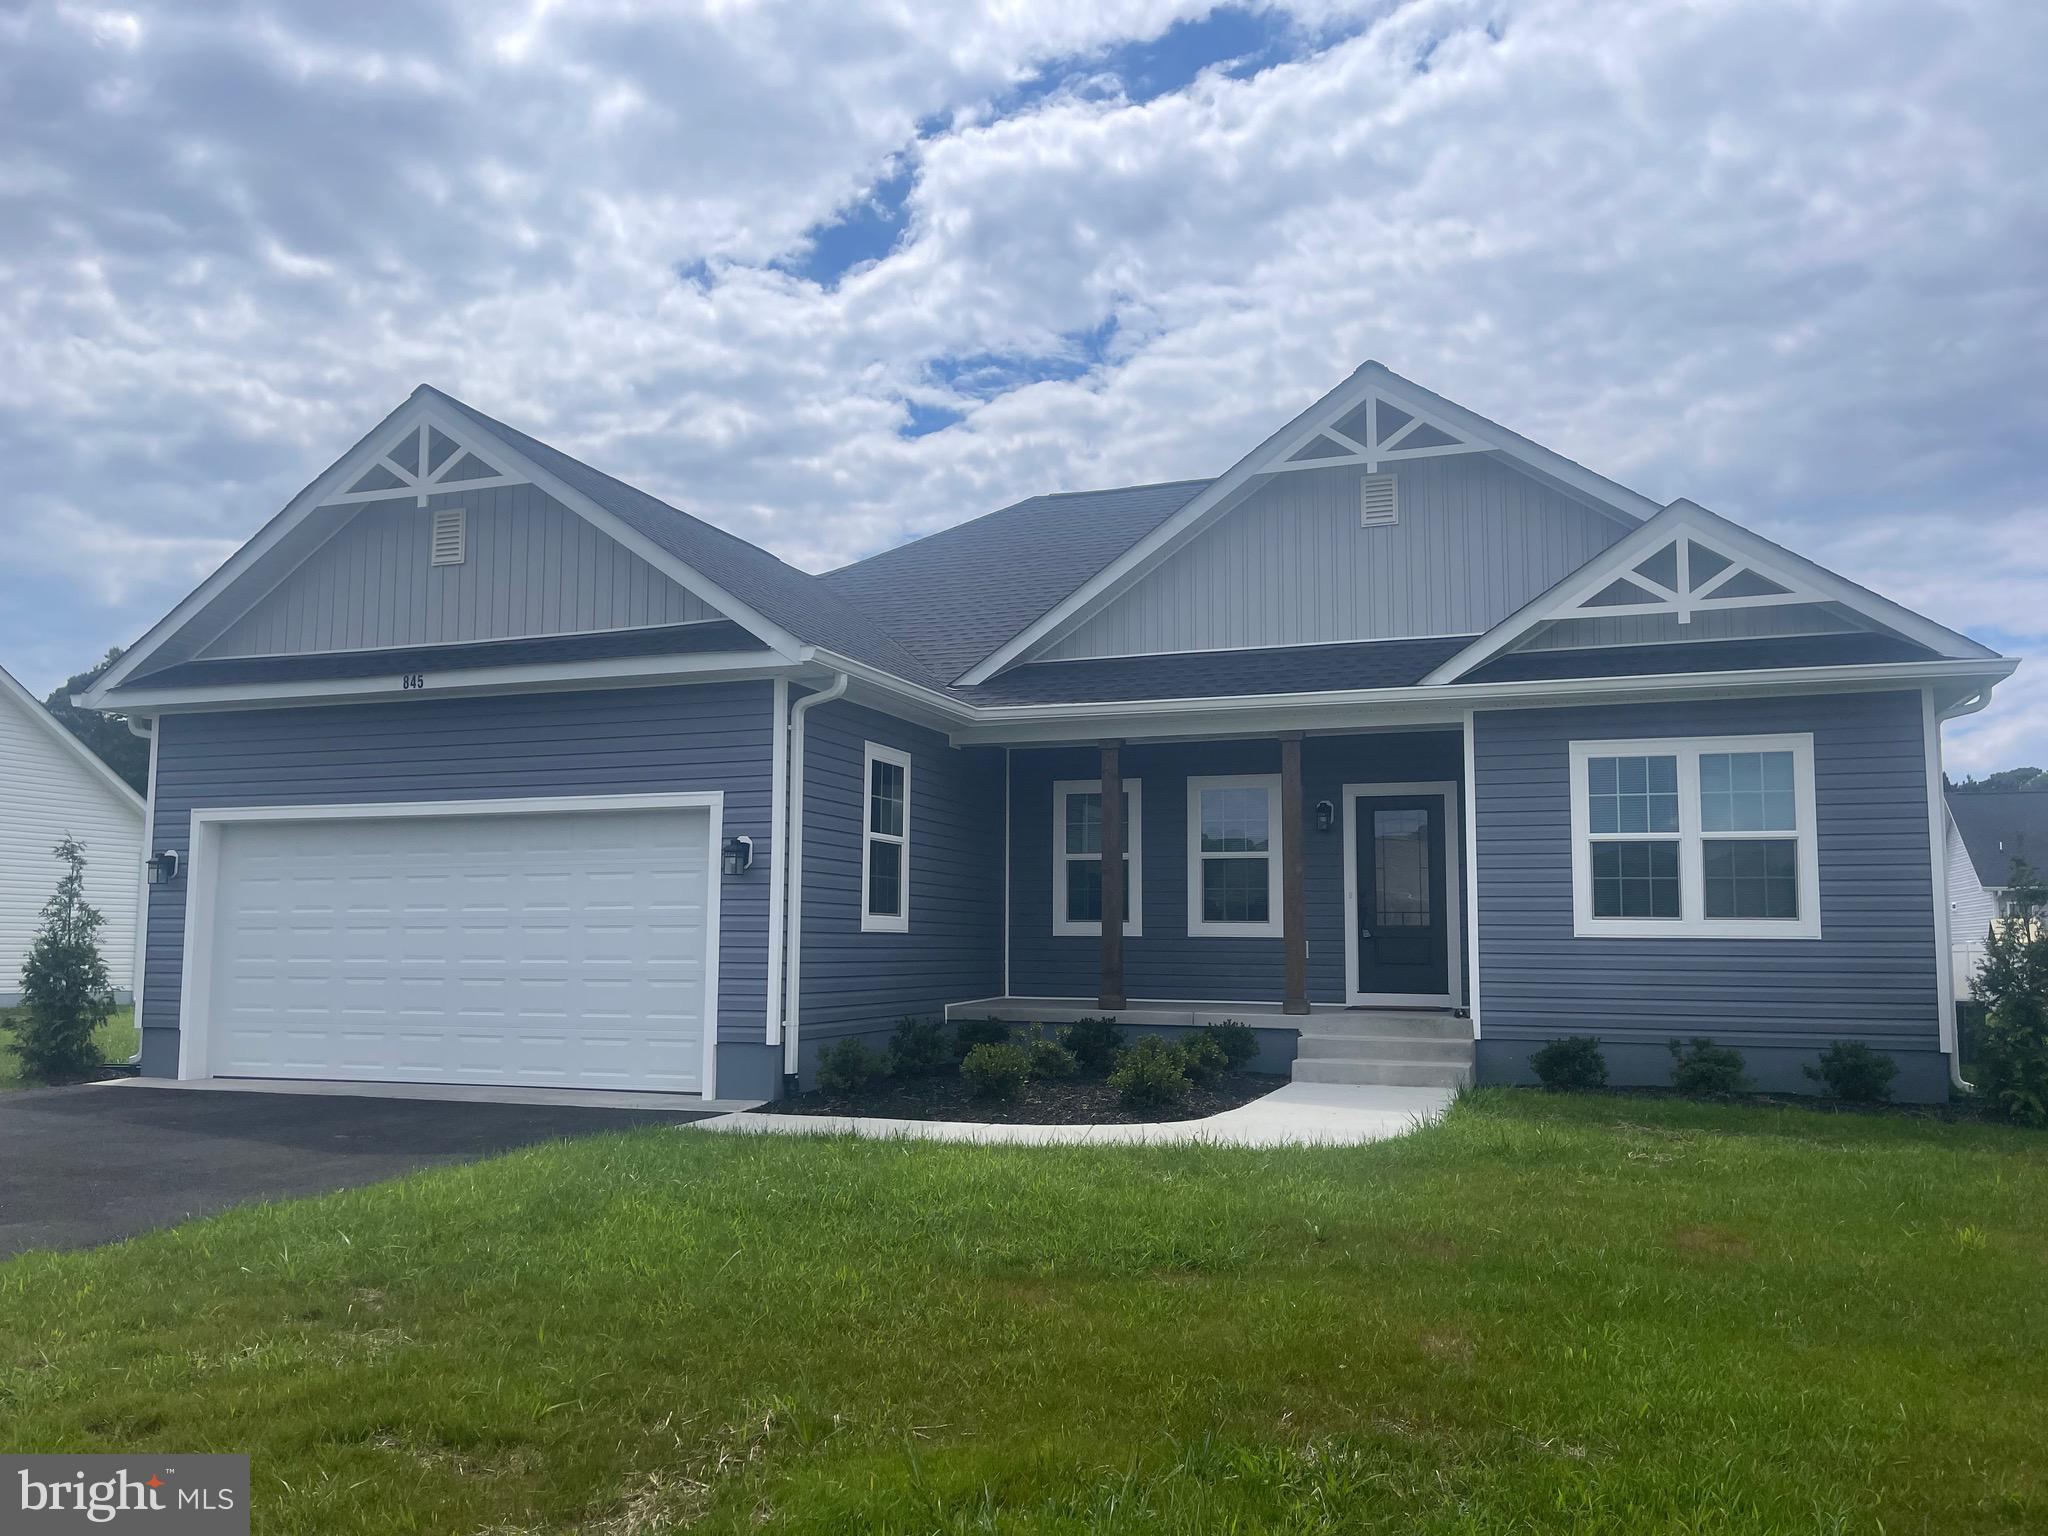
x,y
835,276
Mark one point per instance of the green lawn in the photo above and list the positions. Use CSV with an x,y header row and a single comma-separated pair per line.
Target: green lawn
x,y
117,1040
1542,1315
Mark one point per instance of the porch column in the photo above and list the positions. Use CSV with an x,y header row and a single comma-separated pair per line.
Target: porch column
x,y
1112,987
1293,891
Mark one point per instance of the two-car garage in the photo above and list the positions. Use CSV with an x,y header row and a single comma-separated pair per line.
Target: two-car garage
x,y
551,943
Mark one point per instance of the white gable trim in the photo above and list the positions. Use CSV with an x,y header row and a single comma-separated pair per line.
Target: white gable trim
x,y
1685,526
422,410
1372,381
31,706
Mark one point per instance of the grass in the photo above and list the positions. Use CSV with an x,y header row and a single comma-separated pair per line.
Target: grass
x,y
117,1041
1548,1314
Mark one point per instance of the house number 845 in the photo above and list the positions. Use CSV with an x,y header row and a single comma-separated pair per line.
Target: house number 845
x,y
413,680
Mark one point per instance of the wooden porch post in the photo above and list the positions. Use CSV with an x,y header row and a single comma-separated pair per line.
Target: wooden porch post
x,y
1112,987
1293,891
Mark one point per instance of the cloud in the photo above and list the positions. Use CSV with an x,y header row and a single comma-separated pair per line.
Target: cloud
x,y
836,276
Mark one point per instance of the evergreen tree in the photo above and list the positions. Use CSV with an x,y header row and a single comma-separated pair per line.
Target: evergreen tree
x,y
2012,1068
65,992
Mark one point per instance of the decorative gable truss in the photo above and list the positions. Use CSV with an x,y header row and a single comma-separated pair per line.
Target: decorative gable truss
x,y
421,461
1373,432
1690,574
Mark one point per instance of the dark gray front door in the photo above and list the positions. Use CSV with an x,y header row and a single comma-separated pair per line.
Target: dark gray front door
x,y
1404,930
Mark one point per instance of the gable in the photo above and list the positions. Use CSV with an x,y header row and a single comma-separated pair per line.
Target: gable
x,y
1294,564
529,567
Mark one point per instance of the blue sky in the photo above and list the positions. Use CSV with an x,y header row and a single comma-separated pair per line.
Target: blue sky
x,y
835,277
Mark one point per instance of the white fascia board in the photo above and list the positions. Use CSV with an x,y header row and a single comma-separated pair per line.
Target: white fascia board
x,y
30,705
423,406
1164,539
1682,516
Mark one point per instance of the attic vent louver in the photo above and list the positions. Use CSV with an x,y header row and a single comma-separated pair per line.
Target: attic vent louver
x,y
448,536
1379,503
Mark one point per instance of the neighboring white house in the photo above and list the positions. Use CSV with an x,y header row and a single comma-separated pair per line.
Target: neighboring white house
x,y
52,783
1972,910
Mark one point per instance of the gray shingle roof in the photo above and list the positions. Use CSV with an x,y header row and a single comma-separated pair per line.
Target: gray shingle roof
x,y
1217,674
955,596
1998,826
1699,656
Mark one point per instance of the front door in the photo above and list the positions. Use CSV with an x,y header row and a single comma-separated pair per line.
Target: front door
x,y
1403,928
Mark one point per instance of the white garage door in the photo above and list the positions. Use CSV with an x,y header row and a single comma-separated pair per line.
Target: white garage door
x,y
551,949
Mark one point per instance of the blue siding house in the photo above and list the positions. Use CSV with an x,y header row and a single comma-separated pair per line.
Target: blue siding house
x,y
1405,740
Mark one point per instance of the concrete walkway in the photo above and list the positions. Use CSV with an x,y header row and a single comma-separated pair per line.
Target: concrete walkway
x,y
1300,1114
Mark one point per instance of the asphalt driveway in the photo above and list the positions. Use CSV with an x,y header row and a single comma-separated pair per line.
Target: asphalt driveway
x,y
82,1166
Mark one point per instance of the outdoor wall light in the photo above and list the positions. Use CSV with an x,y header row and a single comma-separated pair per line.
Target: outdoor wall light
x,y
739,854
163,868
1326,815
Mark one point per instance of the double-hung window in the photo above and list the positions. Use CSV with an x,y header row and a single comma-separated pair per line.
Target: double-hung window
x,y
1234,837
885,841
1077,856
1702,837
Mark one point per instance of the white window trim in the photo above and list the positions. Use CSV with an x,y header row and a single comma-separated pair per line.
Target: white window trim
x,y
1692,923
1134,848
882,922
1198,926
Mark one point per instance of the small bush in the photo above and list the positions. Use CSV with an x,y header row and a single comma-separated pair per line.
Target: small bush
x,y
1706,1068
65,990
850,1067
995,1070
1571,1065
1150,1075
1855,1072
1094,1043
1201,1058
1051,1059
969,1033
1238,1042
919,1048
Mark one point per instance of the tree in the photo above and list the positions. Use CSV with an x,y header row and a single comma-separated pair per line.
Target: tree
x,y
2005,778
65,991
2012,1068
108,735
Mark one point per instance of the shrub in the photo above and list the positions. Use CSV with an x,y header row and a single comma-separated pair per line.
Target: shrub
x,y
1706,1068
1094,1043
1853,1071
919,1048
1150,1076
969,1033
850,1067
1051,1059
995,1070
1201,1058
1238,1042
65,991
2012,1055
1571,1065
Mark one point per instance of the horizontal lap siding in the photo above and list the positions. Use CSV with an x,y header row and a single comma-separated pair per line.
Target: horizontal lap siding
x,y
1871,976
855,982
1164,962
635,741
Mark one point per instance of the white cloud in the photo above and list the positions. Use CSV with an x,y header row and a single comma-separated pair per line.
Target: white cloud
x,y
1782,258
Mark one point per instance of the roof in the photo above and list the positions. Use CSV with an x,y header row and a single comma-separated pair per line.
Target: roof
x,y
1699,656
603,645
1999,825
32,706
1216,674
952,597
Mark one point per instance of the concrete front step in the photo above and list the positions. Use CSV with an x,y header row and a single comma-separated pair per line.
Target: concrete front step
x,y
1392,1074
1360,1025
1385,1047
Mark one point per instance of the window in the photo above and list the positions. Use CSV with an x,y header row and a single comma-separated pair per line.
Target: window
x,y
1234,856
1706,838
885,842
1077,856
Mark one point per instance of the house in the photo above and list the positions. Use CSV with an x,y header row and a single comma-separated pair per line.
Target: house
x,y
1988,830
52,784
1405,740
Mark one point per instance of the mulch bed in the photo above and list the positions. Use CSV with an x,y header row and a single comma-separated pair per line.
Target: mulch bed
x,y
1042,1101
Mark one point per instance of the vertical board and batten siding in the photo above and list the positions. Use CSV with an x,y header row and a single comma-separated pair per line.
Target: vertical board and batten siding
x,y
1163,963
626,741
862,983
1292,566
1871,976
46,792
531,567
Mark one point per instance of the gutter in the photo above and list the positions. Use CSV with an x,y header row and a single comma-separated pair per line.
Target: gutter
x,y
793,900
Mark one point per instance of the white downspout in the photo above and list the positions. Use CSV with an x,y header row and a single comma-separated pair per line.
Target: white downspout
x,y
1937,816
793,900
778,849
141,941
